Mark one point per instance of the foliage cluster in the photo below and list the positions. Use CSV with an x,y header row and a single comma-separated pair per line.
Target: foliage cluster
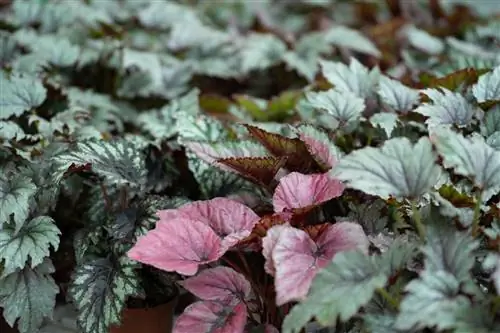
x,y
290,163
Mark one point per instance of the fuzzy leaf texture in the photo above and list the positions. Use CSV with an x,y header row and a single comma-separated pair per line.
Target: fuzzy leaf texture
x,y
19,301
99,289
398,168
29,246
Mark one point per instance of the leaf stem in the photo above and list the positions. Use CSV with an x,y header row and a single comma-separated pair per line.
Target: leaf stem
x,y
477,214
417,219
388,298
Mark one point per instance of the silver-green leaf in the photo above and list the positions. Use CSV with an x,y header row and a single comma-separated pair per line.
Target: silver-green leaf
x,y
120,161
351,275
100,289
471,157
16,191
398,168
19,94
29,295
30,245
487,87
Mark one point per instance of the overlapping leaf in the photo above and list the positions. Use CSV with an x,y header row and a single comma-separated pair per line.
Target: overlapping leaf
x,y
354,78
29,296
344,106
120,162
100,289
396,95
351,275
488,87
16,191
351,39
28,246
19,94
471,157
398,169
447,108
434,299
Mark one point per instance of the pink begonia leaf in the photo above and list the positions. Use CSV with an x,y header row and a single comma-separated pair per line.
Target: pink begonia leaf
x,y
299,191
297,258
218,283
342,236
320,150
180,245
231,220
268,244
212,317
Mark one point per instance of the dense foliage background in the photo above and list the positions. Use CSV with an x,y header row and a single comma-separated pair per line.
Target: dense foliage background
x,y
112,110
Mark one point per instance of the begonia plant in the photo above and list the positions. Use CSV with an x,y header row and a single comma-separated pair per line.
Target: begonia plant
x,y
297,166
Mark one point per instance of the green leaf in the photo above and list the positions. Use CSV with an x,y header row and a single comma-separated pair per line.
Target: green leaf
x,y
487,87
434,299
471,157
399,254
19,94
397,169
260,51
351,39
355,78
16,191
30,245
7,48
381,323
491,121
304,58
423,41
396,95
11,131
449,250
345,107
100,289
56,50
447,108
494,140
30,295
214,182
385,120
119,161
351,275
368,215
477,319
136,221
